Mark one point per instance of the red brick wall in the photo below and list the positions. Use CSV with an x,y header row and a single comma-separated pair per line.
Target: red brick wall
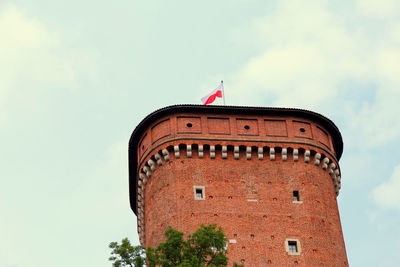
x,y
252,200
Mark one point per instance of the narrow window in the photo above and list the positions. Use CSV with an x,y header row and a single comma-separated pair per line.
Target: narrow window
x,y
199,193
296,196
292,246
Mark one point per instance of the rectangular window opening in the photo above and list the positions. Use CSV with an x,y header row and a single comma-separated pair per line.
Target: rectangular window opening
x,y
296,196
292,246
199,193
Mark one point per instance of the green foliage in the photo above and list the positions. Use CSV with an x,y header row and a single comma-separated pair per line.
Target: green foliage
x,y
205,247
125,254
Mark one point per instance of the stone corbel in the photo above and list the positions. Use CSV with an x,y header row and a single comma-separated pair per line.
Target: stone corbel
x,y
284,154
260,153
158,158
166,155
248,152
177,153
147,171
325,163
224,152
236,152
212,152
307,154
189,151
272,153
317,159
152,164
295,154
332,168
201,151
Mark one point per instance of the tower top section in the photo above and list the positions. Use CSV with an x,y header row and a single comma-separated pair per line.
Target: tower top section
x,y
225,125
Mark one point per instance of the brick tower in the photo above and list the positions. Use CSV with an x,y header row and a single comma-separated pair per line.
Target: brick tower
x,y
268,176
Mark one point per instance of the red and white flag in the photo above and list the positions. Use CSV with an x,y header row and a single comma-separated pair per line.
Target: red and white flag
x,y
217,92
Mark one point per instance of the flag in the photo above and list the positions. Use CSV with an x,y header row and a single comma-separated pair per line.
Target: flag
x,y
217,92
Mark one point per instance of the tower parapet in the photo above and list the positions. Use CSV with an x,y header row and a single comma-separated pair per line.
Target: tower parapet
x,y
268,176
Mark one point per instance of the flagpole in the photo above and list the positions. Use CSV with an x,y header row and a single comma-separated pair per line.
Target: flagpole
x,y
223,92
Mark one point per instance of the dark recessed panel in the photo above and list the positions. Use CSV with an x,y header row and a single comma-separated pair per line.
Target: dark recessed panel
x,y
160,130
275,127
302,129
322,136
189,124
144,144
247,126
218,126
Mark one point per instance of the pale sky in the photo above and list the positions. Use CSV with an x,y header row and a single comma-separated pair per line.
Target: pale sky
x,y
76,77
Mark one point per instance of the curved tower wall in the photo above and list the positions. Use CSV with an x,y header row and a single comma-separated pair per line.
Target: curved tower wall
x,y
270,181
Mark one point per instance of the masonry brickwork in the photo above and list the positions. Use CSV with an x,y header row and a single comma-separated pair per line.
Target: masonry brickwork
x,y
266,176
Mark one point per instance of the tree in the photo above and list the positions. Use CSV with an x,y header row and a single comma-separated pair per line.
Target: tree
x,y
126,255
206,247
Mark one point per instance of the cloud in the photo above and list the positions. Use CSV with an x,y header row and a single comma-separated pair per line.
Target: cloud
x,y
387,194
34,59
309,51
29,50
313,57
380,9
